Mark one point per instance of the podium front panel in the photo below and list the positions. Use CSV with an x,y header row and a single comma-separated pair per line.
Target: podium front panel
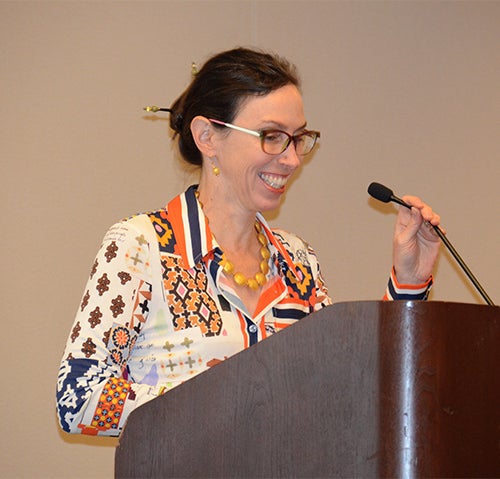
x,y
359,389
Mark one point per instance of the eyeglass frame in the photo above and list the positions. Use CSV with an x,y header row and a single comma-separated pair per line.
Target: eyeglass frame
x,y
262,135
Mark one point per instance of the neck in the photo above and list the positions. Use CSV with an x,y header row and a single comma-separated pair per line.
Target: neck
x,y
240,236
243,247
232,225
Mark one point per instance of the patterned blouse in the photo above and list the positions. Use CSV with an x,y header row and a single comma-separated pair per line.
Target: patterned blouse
x,y
157,311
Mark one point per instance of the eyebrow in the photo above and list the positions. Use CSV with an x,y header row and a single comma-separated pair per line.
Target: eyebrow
x,y
280,126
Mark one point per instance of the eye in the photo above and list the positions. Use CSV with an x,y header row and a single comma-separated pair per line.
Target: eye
x,y
302,138
274,137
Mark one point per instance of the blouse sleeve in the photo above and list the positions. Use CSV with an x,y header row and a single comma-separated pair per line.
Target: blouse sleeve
x,y
322,297
94,395
409,292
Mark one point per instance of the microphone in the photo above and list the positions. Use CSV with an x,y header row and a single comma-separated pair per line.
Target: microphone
x,y
384,194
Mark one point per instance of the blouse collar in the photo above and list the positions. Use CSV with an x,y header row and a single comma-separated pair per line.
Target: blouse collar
x,y
194,240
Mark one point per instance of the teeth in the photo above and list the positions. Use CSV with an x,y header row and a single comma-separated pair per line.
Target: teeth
x,y
274,181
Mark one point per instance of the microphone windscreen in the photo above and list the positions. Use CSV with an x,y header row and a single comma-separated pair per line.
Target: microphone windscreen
x,y
380,192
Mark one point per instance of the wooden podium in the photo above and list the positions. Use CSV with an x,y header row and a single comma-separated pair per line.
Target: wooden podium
x,y
357,390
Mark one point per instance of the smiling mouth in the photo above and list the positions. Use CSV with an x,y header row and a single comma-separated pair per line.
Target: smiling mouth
x,y
277,182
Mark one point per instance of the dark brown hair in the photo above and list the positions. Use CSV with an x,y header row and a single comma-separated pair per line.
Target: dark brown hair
x,y
220,87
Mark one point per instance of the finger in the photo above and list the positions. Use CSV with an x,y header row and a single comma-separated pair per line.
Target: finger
x,y
408,222
415,201
428,214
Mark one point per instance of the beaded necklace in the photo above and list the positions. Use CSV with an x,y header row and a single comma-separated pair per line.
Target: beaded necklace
x,y
259,278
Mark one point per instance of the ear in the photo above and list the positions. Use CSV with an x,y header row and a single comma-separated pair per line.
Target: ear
x,y
203,135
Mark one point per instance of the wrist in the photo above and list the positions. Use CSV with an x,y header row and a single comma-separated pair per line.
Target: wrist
x,y
409,283
399,291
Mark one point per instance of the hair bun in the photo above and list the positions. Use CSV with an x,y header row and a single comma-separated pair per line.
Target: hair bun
x,y
177,121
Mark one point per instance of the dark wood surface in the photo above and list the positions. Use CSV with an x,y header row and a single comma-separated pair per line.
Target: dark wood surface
x,y
360,389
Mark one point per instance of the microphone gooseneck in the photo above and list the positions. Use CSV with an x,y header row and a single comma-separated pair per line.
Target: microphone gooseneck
x,y
384,194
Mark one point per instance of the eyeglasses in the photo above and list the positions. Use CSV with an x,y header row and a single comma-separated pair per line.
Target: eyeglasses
x,y
275,142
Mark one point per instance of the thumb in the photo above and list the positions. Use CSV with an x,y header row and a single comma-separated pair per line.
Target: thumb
x,y
410,222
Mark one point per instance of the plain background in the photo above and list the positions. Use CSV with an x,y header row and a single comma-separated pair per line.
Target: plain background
x,y
405,93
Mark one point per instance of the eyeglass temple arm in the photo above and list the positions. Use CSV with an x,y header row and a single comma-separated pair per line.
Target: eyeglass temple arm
x,y
234,127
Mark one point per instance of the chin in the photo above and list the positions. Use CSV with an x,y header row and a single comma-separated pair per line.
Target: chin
x,y
268,198
269,205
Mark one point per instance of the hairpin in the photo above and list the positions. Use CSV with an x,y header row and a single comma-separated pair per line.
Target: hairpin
x,y
194,69
154,109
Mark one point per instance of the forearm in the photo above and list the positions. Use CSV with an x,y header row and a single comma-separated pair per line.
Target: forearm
x,y
93,398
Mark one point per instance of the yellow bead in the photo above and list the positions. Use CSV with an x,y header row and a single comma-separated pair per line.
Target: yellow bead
x,y
228,267
240,279
260,278
264,267
262,239
264,252
252,284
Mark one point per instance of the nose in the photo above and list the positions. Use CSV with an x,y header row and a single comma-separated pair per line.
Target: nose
x,y
289,157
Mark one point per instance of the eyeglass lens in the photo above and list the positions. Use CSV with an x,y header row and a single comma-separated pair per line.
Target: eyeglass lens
x,y
276,142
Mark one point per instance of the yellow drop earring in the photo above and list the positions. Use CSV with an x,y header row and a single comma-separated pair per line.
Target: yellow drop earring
x,y
215,169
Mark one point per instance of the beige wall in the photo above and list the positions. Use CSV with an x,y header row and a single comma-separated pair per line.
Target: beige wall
x,y
405,93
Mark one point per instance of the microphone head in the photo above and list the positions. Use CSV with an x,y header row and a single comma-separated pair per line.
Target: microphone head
x,y
380,192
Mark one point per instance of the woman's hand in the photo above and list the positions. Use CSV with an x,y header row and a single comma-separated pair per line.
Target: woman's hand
x,y
415,243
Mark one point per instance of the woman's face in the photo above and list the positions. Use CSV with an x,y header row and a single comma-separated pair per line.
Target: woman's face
x,y
251,179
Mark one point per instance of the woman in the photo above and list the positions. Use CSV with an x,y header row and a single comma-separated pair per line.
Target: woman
x,y
176,291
